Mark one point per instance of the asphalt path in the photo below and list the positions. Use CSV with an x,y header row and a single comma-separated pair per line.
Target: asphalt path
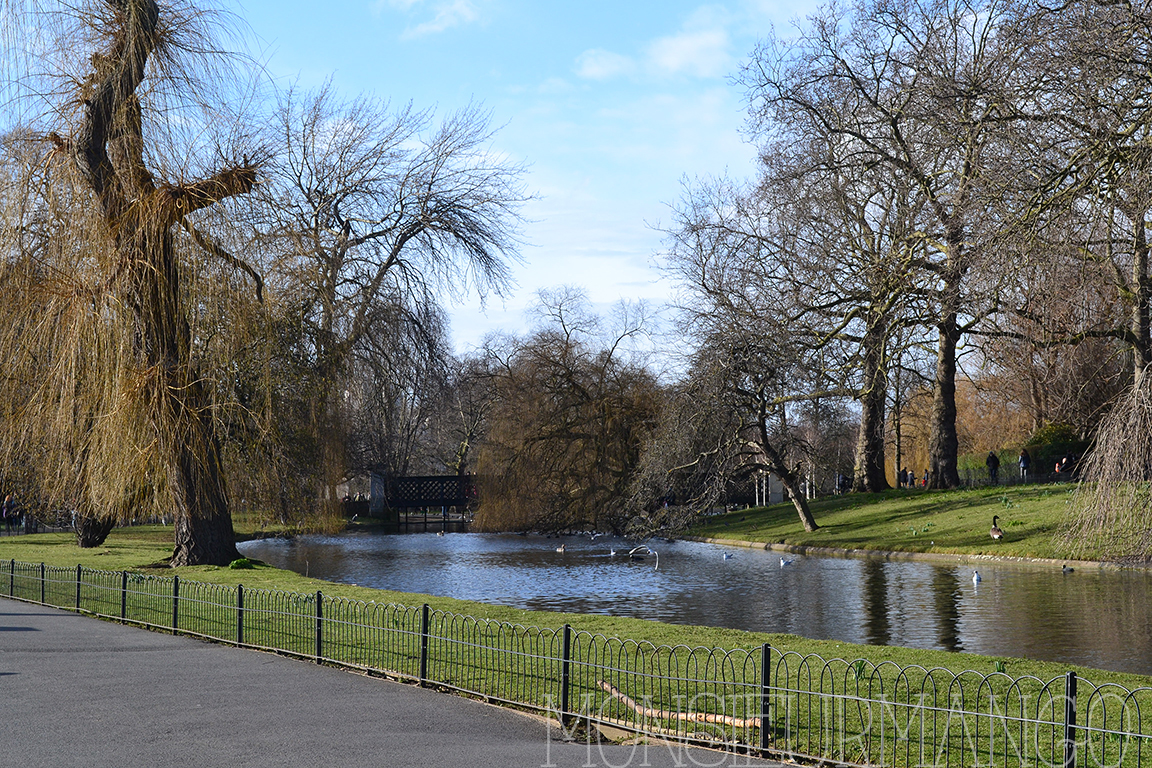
x,y
77,691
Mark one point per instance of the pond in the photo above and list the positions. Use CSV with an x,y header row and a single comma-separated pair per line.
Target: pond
x,y
1096,618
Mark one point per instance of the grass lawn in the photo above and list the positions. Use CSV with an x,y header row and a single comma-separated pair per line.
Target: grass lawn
x,y
143,549
952,522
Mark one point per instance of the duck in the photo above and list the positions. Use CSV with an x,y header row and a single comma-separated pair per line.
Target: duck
x,y
996,533
1065,568
976,577
561,548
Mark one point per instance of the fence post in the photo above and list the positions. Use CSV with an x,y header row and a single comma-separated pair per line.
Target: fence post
x,y
1070,720
424,645
12,578
77,587
239,614
565,675
175,603
41,583
319,626
765,696
123,595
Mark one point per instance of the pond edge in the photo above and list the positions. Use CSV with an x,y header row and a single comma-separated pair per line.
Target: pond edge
x,y
927,557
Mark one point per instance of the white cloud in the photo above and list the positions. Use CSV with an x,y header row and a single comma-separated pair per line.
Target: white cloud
x,y
701,49
446,14
597,64
701,53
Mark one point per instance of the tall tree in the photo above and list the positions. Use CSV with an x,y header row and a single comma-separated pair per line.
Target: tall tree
x,y
370,213
127,379
922,88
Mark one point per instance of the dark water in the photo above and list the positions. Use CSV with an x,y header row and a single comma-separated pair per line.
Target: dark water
x,y
1095,618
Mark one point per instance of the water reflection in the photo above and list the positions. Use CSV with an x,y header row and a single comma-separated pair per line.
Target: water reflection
x,y
876,603
946,595
1095,618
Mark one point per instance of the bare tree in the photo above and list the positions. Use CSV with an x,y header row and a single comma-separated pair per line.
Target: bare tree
x,y
749,314
921,88
833,245
370,213
118,397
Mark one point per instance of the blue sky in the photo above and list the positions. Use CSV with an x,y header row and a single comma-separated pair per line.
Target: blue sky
x,y
610,104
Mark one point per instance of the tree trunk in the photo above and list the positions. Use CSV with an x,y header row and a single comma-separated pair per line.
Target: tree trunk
x,y
204,534
92,531
870,474
789,479
791,483
177,402
943,444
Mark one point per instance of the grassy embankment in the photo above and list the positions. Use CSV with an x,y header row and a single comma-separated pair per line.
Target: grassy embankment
x,y
955,522
950,522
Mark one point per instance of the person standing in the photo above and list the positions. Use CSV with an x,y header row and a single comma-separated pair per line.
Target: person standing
x,y
1025,461
993,464
9,512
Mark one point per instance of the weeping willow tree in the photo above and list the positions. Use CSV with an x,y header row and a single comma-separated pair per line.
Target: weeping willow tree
x,y
1113,508
112,288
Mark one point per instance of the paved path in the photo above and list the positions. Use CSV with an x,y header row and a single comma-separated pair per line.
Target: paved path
x,y
76,691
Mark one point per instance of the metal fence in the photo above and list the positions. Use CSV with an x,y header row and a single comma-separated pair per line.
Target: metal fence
x,y
758,700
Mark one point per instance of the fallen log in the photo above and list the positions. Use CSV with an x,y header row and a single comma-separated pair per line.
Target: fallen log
x,y
665,714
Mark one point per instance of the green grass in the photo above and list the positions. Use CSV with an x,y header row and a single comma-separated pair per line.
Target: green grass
x,y
949,522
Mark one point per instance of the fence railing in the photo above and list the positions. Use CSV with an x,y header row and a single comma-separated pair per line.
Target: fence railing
x,y
757,700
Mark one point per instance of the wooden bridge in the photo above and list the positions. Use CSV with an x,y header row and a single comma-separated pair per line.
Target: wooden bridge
x,y
427,491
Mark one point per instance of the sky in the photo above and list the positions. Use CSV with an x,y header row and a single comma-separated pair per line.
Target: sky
x,y
609,105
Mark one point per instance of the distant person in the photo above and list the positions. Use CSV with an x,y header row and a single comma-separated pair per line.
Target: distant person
x,y
925,485
902,479
11,516
993,464
1025,462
